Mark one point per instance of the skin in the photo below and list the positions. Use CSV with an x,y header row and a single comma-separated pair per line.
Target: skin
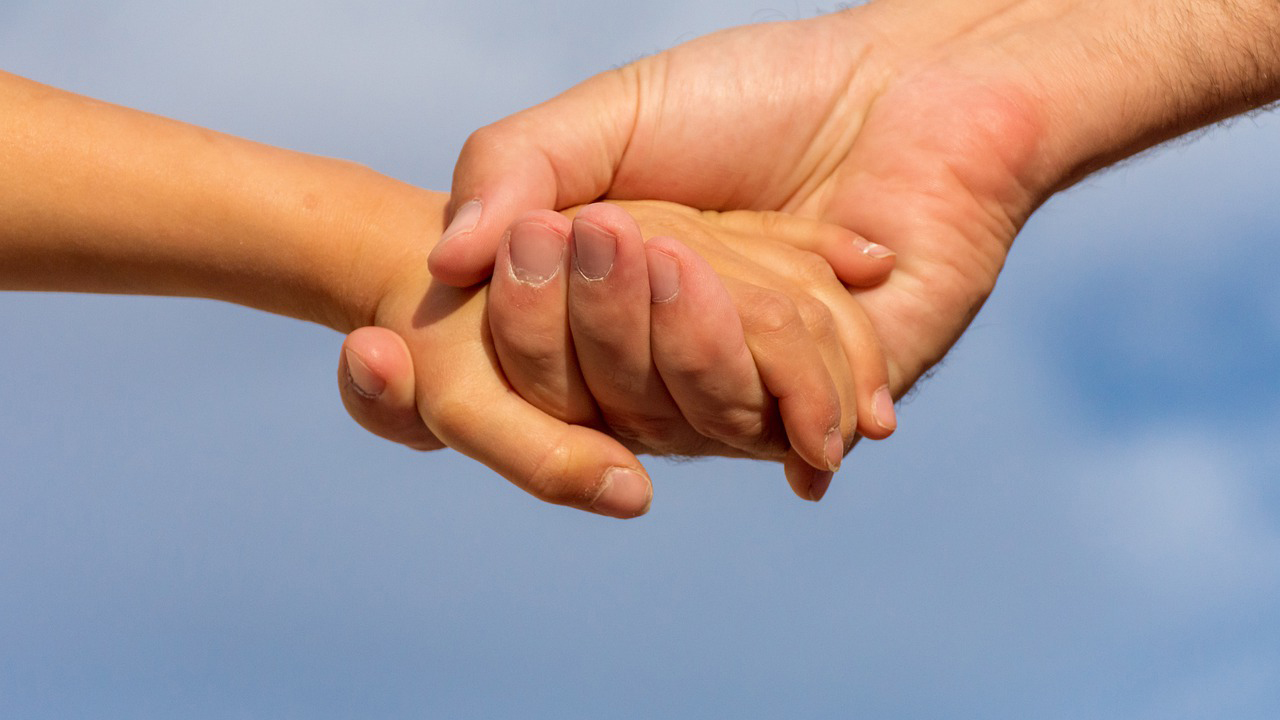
x,y
689,364
100,198
934,129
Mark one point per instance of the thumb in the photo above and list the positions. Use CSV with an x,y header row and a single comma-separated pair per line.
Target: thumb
x,y
561,153
375,380
466,402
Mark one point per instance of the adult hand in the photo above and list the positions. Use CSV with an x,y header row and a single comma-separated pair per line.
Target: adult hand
x,y
875,128
933,128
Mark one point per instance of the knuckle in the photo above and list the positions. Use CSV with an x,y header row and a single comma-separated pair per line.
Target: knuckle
x,y
747,429
553,480
815,315
554,476
561,404
485,139
531,351
663,434
695,356
449,414
813,270
771,313
534,359
690,359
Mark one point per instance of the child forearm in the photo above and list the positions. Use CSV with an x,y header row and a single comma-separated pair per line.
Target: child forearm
x,y
99,198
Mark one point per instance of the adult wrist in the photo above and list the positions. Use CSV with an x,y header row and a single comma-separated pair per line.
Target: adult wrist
x,y
1103,81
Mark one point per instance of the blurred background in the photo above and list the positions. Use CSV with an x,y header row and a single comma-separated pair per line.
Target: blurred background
x,y
1079,516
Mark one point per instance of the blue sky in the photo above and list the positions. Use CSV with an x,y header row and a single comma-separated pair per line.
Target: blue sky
x,y
1078,518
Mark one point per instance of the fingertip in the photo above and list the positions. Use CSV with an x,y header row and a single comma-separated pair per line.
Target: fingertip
x,y
807,482
875,251
675,268
819,485
502,171
664,273
364,381
625,493
834,449
857,261
818,442
881,419
376,384
809,405
374,358
461,263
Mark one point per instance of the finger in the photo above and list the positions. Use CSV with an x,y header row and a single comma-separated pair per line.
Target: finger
x,y
529,320
807,482
853,351
555,155
849,340
465,402
797,357
699,349
877,418
854,259
609,316
375,380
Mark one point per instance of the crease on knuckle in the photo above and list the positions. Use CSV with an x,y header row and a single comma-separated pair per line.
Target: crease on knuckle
x,y
449,414
740,427
559,402
771,314
813,270
819,321
551,477
661,434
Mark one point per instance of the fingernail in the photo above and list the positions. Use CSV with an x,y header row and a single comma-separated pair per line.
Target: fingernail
x,y
835,449
363,380
866,247
882,409
664,276
818,486
624,493
593,250
536,253
464,221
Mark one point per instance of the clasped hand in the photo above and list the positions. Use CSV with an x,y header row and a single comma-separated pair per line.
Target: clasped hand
x,y
724,334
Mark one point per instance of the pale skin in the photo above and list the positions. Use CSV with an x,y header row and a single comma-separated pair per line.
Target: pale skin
x,y
100,198
932,128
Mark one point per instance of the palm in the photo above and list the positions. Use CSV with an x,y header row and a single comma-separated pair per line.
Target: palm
x,y
932,162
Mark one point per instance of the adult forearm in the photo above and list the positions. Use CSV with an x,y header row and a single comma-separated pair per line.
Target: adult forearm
x,y
1099,81
1144,72
98,198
